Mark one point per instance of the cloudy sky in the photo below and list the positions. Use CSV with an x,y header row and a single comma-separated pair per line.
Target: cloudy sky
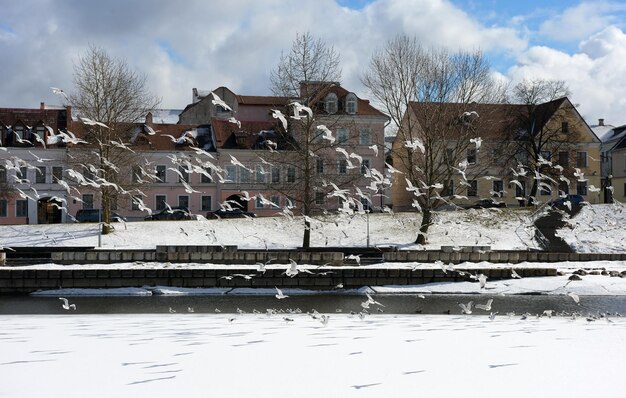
x,y
206,44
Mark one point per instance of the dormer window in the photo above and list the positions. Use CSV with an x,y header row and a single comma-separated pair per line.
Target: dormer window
x,y
330,104
351,104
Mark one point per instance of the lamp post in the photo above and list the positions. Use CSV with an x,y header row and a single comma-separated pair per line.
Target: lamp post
x,y
367,217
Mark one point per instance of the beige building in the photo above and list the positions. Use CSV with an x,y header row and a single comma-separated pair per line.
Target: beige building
x,y
498,152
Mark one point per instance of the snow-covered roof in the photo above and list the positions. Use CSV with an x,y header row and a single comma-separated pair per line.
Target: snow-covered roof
x,y
608,133
166,116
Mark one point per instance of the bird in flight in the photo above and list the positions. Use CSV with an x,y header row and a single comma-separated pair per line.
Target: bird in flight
x,y
218,101
466,308
279,294
66,305
486,306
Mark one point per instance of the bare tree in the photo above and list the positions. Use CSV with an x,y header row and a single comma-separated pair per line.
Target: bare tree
x,y
303,77
543,132
429,95
109,92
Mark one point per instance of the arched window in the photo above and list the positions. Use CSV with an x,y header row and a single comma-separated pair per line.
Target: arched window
x,y
351,102
330,103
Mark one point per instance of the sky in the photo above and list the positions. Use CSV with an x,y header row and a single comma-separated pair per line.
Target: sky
x,y
207,44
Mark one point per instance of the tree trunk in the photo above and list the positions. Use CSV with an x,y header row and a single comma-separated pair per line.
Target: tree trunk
x,y
306,240
426,221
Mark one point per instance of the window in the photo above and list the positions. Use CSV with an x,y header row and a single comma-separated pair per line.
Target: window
x,y
365,165
21,208
564,159
366,204
87,201
563,188
275,199
520,192
244,175
564,127
624,162
206,178
134,202
471,156
259,175
184,177
319,166
258,202
23,172
625,189
3,208
581,159
205,203
41,133
342,166
351,104
160,173
365,136
342,135
498,188
545,189
88,173
19,132
3,174
581,188
291,174
330,104
160,201
450,155
40,175
472,189
57,173
231,173
317,136
275,174
319,198
183,201
448,188
546,155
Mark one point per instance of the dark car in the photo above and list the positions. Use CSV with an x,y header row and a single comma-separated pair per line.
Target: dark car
x,y
486,204
574,201
94,215
234,213
174,213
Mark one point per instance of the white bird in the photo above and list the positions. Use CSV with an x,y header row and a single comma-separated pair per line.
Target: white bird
x,y
235,121
276,114
218,101
482,280
356,258
579,174
472,113
236,162
392,169
327,134
574,297
66,305
298,108
279,294
413,145
515,275
91,122
477,141
292,270
486,306
374,148
466,308
58,91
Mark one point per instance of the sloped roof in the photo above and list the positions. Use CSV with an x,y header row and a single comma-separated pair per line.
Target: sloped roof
x,y
226,133
55,118
493,119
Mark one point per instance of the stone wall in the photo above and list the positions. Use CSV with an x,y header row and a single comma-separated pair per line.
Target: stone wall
x,y
22,281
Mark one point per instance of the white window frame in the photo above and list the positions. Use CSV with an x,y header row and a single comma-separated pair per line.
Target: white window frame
x,y
331,103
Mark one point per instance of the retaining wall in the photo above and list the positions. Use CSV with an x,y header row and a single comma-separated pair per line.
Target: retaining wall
x,y
512,257
22,281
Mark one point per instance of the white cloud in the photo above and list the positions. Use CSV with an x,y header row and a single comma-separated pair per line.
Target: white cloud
x,y
580,21
234,43
596,75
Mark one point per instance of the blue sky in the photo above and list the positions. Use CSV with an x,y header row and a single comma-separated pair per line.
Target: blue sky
x,y
207,44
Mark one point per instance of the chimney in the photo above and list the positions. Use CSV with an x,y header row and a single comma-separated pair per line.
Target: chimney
x,y
149,119
601,122
42,105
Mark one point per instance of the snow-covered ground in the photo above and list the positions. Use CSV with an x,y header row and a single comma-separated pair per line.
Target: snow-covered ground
x,y
597,229
206,355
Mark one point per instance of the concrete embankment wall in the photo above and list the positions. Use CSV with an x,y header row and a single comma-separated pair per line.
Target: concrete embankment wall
x,y
21,281
512,257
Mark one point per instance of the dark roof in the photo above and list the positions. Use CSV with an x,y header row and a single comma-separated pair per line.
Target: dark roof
x,y
229,135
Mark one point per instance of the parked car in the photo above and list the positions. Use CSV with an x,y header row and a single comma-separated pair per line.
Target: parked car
x,y
93,215
234,213
574,200
174,213
486,204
